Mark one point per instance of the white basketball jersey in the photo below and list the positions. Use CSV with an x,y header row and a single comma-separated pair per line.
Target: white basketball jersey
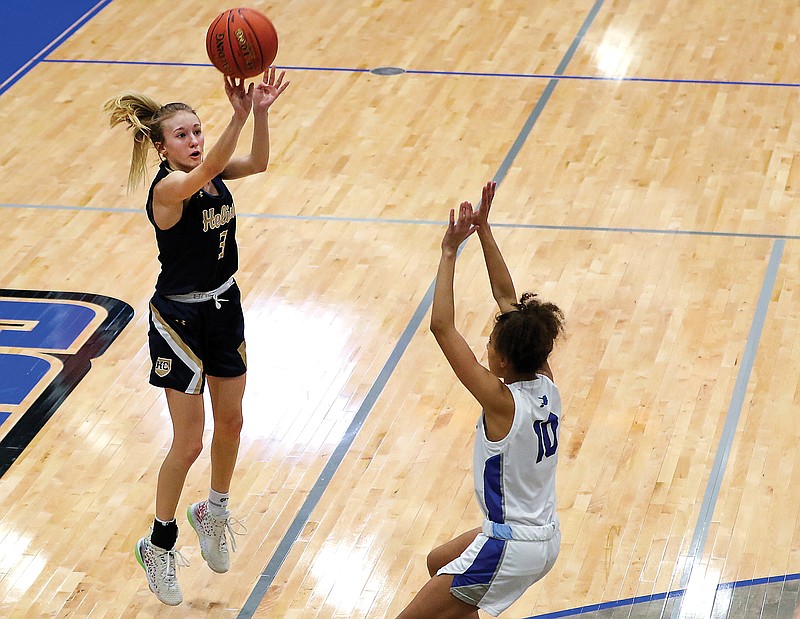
x,y
515,478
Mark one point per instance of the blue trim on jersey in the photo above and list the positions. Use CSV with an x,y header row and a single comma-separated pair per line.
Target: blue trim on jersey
x,y
502,531
3,416
484,567
493,488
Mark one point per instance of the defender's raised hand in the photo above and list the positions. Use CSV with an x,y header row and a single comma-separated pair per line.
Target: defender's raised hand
x,y
460,229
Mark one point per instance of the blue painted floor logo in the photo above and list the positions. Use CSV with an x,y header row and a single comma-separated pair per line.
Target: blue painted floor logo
x,y
47,343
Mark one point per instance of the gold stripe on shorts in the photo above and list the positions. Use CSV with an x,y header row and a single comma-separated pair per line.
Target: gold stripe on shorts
x,y
242,350
180,348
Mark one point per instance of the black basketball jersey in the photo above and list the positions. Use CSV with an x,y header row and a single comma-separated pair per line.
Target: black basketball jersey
x,y
199,253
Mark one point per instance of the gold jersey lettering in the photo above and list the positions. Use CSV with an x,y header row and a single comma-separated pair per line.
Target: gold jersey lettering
x,y
212,220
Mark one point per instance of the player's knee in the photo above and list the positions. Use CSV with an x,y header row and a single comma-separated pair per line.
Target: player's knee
x,y
434,561
229,426
187,451
193,451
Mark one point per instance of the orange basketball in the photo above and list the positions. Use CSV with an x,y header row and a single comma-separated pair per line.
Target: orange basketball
x,y
242,42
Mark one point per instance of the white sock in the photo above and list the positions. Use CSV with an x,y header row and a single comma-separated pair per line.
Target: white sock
x,y
218,502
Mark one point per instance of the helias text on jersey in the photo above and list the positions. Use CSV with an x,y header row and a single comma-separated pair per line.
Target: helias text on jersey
x,y
213,220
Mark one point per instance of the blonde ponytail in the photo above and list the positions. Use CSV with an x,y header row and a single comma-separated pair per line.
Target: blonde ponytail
x,y
138,112
144,116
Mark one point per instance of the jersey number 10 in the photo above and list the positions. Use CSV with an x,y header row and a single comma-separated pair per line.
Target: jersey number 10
x,y
547,433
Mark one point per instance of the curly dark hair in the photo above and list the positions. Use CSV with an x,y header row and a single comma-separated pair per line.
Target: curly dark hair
x,y
526,334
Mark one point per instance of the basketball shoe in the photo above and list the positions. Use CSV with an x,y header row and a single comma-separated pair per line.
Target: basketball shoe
x,y
213,531
160,566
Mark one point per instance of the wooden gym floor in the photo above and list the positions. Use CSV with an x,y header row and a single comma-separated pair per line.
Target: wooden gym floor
x,y
648,182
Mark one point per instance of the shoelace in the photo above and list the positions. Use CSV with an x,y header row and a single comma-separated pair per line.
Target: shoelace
x,y
174,559
228,526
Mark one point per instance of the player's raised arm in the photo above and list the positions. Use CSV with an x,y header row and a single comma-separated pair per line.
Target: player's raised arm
x,y
516,438
266,92
170,193
499,276
486,387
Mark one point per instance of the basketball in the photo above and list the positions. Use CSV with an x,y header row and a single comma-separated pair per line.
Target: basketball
x,y
242,42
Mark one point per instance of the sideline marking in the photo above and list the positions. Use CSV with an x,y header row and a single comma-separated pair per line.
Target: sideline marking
x,y
694,587
284,547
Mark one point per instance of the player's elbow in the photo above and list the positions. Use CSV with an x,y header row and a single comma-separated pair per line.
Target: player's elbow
x,y
441,329
213,168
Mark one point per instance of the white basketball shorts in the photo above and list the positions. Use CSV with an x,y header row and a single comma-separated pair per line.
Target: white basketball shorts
x,y
492,573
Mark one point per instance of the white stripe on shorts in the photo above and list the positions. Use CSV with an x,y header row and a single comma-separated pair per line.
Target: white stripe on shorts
x,y
181,350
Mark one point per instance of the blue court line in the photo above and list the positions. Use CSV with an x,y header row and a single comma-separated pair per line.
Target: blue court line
x,y
593,608
52,45
442,223
766,580
604,78
505,165
657,597
694,556
299,522
538,76
315,494
377,387
156,63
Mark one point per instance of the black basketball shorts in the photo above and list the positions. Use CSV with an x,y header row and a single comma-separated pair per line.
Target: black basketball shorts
x,y
189,341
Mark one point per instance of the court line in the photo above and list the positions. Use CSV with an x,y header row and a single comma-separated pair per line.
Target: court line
x,y
505,165
299,522
315,494
657,597
750,349
540,76
156,63
694,556
594,608
442,223
605,78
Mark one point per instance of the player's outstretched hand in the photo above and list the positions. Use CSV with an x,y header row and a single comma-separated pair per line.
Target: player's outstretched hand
x,y
268,89
481,217
458,229
241,99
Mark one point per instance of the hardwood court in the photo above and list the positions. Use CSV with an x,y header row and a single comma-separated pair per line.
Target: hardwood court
x,y
652,200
